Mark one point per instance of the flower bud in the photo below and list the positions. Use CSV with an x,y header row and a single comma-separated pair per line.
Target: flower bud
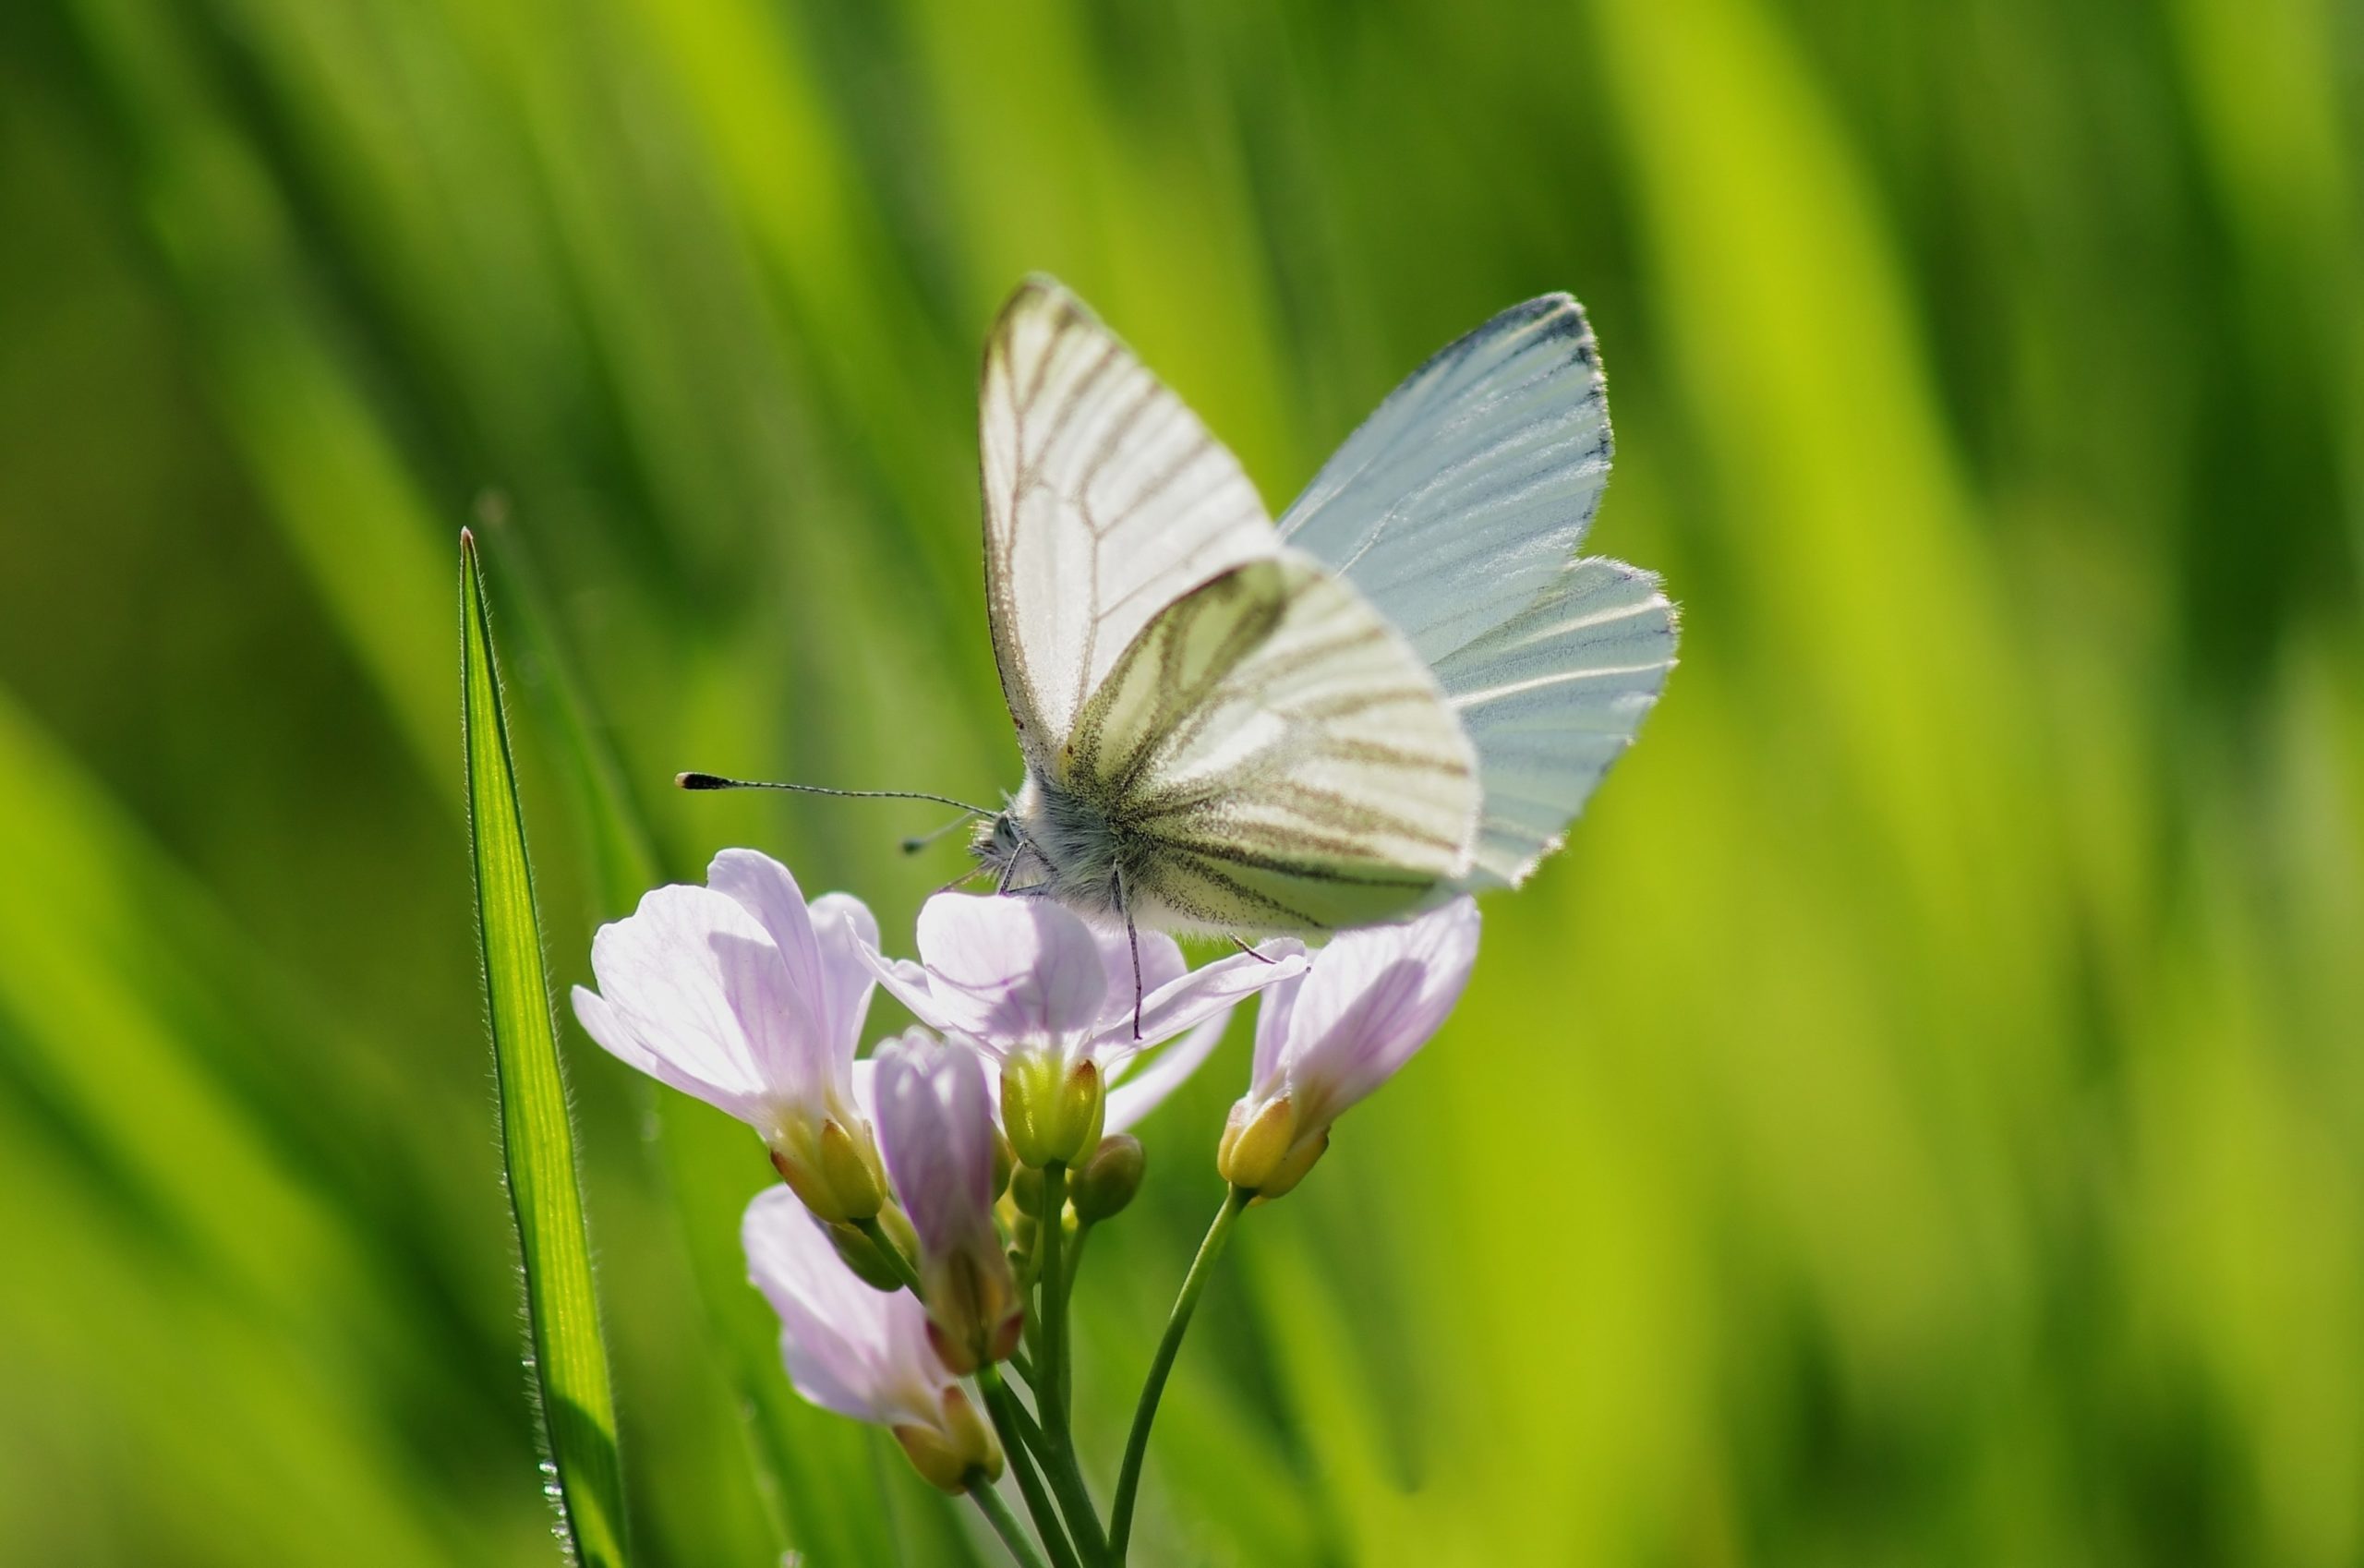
x,y
1293,1166
1255,1143
1022,1238
1105,1183
1004,1164
948,1454
1026,1190
975,1313
859,1254
833,1168
1053,1113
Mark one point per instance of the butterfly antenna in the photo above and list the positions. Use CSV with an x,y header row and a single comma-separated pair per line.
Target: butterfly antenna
x,y
913,845
716,781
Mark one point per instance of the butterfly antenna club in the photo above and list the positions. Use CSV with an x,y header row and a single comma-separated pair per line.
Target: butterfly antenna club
x,y
717,781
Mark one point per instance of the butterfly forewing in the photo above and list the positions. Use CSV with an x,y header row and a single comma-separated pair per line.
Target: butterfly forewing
x,y
1286,758
1472,484
1104,499
1457,509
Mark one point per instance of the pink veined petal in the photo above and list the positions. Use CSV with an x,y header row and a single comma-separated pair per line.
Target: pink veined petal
x,y
835,1333
675,974
1374,997
843,930
915,1391
605,1025
1011,972
791,1059
935,1133
1161,964
865,1089
765,889
1146,1087
910,984
1273,1007
615,1033
1212,988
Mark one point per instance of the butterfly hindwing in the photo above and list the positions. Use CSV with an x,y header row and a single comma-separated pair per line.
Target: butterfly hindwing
x,y
1457,509
1281,755
1551,697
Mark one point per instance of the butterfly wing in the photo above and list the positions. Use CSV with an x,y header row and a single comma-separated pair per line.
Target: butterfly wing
x,y
1457,509
1104,500
1286,758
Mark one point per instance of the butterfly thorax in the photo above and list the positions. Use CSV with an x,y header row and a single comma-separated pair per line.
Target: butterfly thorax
x,y
1055,843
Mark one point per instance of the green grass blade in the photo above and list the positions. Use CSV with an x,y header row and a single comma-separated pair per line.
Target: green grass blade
x,y
806,1463
569,1361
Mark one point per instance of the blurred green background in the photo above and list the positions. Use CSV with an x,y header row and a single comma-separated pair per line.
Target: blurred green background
x,y
1917,1121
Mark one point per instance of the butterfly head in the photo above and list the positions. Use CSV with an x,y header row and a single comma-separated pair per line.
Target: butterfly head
x,y
996,844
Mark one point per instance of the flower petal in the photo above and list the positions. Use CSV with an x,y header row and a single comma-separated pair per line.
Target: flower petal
x,y
607,1026
836,1335
764,887
1373,998
1146,1087
696,982
1011,972
910,984
1161,964
1194,997
843,930
936,1130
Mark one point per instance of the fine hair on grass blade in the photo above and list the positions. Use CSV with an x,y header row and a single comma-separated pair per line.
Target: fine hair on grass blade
x,y
567,1356
801,1462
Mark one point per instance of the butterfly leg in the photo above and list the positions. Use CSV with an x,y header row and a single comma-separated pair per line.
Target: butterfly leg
x,y
1133,937
1009,868
1259,958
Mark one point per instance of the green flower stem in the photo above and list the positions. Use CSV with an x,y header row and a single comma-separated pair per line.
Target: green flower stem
x,y
1028,1427
1005,1523
876,1235
1051,1394
1066,1479
1009,1421
1128,1480
1051,1391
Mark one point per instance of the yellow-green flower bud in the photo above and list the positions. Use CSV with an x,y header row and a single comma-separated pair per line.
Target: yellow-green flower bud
x,y
1004,1164
860,1255
833,1168
975,1313
1052,1113
948,1454
1105,1183
1026,1189
1256,1143
1293,1166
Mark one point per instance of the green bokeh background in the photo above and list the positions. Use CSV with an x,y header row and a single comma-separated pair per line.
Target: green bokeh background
x,y
1917,1120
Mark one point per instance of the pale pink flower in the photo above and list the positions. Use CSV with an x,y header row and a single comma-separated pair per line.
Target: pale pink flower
x,y
861,1352
741,994
1048,996
1325,1041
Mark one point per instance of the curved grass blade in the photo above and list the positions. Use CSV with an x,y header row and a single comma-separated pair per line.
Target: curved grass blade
x,y
568,1357
805,1465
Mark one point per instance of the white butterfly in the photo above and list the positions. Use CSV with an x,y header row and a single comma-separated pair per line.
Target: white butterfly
x,y
1403,692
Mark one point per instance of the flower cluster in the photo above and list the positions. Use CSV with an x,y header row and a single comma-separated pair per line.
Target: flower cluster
x,y
937,1194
